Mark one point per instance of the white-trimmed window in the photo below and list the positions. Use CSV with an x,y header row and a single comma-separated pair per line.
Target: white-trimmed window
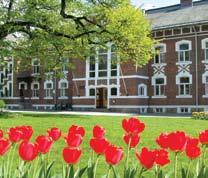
x,y
102,62
48,86
159,110
22,85
159,87
65,64
114,91
114,61
9,86
183,48
142,90
92,62
184,86
206,85
63,85
35,89
92,92
35,66
184,110
160,54
205,48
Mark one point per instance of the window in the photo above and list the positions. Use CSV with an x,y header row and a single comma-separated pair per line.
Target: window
x,y
184,110
92,92
1,77
206,85
65,64
48,89
22,86
63,85
184,86
10,67
142,90
205,48
160,55
114,92
35,66
183,48
92,67
10,89
102,62
159,110
35,90
114,61
159,87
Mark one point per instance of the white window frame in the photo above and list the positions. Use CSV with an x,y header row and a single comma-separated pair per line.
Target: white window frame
x,y
63,94
160,87
35,91
145,90
48,91
160,54
35,68
23,83
205,48
181,110
64,64
185,87
178,44
159,110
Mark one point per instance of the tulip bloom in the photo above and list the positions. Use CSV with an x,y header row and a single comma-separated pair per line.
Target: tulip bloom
x,y
133,125
4,146
161,157
177,141
146,158
133,139
71,155
44,143
162,140
113,155
28,151
99,146
1,133
203,137
193,152
74,140
27,132
76,130
54,133
15,135
98,132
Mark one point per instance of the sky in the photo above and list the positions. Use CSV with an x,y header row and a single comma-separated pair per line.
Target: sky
x,y
148,4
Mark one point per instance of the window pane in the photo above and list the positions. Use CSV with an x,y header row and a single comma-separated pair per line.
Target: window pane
x,y
181,89
113,91
159,81
187,89
184,47
92,92
184,80
186,55
92,74
103,62
103,74
206,54
141,91
92,63
114,73
206,45
181,56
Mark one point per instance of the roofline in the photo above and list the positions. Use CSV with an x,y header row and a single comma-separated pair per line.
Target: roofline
x,y
180,25
171,6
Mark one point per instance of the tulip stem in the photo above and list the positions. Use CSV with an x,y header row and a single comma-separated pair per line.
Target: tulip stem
x,y
12,160
157,170
128,151
35,168
176,165
188,171
109,169
140,173
95,168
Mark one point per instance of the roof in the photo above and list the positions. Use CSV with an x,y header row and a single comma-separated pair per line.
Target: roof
x,y
177,15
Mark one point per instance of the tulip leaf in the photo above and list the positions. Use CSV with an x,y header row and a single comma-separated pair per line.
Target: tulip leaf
x,y
115,174
81,172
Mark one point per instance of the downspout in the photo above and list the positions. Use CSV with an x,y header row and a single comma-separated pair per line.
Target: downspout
x,y
197,81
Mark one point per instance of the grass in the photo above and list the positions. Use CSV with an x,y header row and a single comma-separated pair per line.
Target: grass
x,y
154,126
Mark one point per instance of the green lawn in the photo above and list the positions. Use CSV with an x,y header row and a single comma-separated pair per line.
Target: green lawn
x,y
154,126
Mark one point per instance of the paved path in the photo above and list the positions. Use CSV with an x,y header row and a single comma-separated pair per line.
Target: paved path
x,y
95,113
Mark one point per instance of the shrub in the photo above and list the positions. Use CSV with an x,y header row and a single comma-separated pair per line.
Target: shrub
x,y
2,105
200,115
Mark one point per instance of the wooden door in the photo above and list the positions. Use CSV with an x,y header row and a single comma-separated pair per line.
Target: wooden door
x,y
101,101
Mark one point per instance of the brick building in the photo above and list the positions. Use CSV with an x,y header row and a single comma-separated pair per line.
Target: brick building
x,y
175,81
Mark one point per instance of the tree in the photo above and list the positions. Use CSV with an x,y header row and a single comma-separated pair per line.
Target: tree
x,y
50,29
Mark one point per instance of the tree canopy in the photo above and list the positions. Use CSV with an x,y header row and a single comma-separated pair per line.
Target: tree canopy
x,y
50,29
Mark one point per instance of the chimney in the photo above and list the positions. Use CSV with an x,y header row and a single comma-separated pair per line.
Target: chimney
x,y
185,3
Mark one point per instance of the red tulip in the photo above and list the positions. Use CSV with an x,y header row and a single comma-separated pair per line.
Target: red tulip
x,y
27,132
177,141
77,130
71,155
203,137
98,132
28,151
162,140
54,133
133,139
99,145
192,142
146,158
193,152
113,155
4,146
44,143
161,157
133,125
1,133
74,140
15,135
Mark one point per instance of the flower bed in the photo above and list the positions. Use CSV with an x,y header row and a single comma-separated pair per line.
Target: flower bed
x,y
177,143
